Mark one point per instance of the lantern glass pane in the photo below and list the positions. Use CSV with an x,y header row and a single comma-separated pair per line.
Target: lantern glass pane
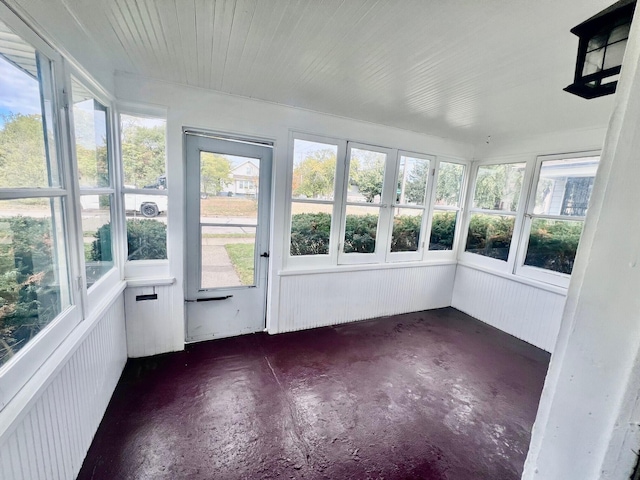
x,y
598,41
614,54
593,62
619,33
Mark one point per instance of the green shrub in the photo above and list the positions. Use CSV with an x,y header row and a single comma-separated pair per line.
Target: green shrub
x,y
490,235
146,240
553,245
443,228
406,233
360,233
310,233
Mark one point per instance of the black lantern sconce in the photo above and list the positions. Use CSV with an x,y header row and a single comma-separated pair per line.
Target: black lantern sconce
x,y
603,39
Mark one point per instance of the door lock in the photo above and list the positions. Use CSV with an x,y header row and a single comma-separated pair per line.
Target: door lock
x,y
265,254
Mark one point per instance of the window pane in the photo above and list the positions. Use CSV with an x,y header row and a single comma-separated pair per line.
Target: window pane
x,y
498,186
361,229
314,170
96,235
407,223
450,176
310,228
366,175
564,186
90,128
143,152
228,258
443,228
490,235
229,186
33,273
413,174
553,244
146,237
27,138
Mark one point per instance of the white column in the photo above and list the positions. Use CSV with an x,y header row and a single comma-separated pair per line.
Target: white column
x,y
586,426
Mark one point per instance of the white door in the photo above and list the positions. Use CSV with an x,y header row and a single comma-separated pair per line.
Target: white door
x,y
228,193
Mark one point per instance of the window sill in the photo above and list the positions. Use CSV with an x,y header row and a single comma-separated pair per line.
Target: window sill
x,y
150,282
362,267
516,278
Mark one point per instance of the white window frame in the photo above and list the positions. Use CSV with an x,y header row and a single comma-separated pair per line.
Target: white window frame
x,y
140,269
101,289
484,262
460,209
330,259
16,373
535,273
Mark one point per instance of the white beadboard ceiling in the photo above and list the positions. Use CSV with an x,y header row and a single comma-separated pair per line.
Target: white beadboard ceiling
x,y
463,69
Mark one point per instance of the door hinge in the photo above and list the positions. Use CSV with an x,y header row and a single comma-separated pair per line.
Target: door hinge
x,y
79,282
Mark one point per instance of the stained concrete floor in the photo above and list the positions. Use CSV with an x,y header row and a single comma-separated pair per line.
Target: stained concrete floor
x,y
430,395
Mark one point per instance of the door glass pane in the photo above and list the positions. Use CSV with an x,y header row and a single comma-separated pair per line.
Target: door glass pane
x,y
498,186
310,228
407,223
564,186
229,188
443,229
34,285
96,235
490,235
361,229
228,257
449,185
27,139
143,151
366,175
413,174
553,244
314,170
90,129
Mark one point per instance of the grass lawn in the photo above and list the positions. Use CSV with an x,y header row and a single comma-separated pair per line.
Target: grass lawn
x,y
229,207
241,255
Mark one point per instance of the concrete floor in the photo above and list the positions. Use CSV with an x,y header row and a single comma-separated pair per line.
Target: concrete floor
x,y
429,395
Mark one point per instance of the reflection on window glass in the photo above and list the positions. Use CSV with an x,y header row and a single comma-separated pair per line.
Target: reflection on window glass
x,y
413,174
96,235
498,186
490,235
310,228
405,236
23,128
33,275
553,244
314,170
450,176
361,229
366,175
90,129
443,228
143,152
564,186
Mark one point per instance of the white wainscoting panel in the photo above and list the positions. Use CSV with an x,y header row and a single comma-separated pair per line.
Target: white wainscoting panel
x,y
154,326
321,299
524,311
49,437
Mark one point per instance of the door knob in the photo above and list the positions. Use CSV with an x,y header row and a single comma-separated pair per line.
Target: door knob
x,y
265,254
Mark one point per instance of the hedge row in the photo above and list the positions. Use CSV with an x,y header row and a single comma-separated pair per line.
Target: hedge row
x,y
552,245
146,240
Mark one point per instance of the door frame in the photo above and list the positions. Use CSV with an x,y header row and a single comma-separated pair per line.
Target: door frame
x,y
192,291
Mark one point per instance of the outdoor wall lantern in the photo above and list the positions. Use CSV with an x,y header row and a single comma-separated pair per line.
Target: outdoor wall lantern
x,y
603,39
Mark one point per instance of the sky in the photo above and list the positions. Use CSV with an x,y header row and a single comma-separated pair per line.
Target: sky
x,y
19,92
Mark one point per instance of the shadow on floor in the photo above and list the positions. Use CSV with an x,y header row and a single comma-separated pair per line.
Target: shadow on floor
x,y
429,395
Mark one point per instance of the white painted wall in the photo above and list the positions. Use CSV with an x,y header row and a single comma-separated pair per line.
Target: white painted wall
x,y
207,110
46,430
588,415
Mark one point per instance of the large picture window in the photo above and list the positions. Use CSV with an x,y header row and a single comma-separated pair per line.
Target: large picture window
x,y
555,215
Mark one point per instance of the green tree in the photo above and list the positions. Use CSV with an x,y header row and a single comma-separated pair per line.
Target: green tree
x,y
22,153
416,181
498,187
214,172
449,183
314,176
143,154
367,173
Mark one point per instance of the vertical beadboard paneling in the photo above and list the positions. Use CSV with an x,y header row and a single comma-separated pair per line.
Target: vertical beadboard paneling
x,y
524,311
50,440
320,299
151,324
